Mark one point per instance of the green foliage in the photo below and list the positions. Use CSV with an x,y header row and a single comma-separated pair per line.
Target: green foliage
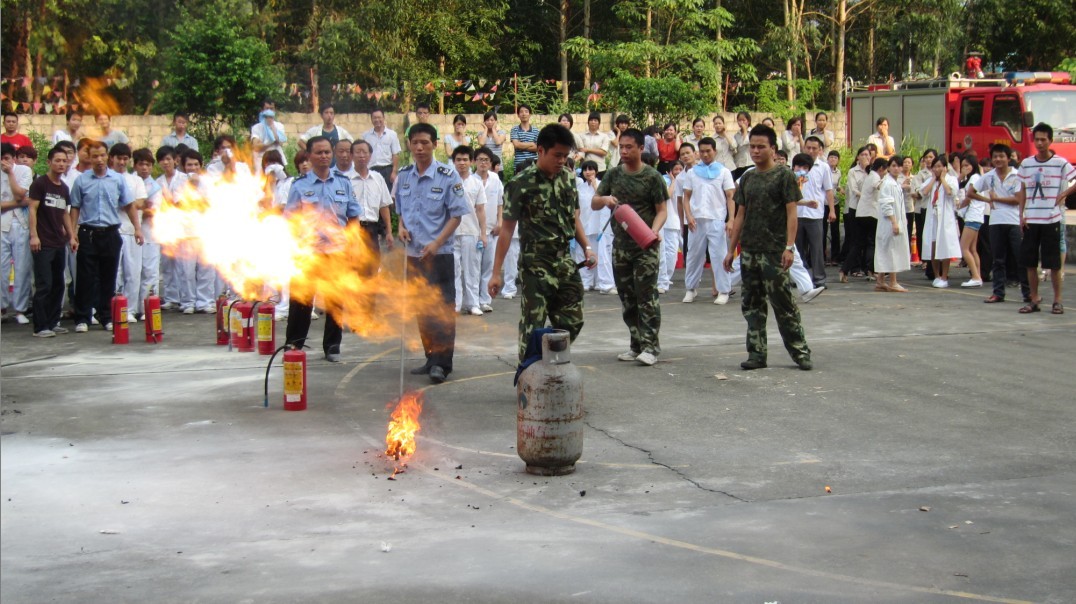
x,y
42,144
1069,65
656,100
1030,35
217,72
771,97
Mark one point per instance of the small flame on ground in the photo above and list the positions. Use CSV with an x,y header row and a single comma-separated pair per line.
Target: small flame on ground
x,y
403,424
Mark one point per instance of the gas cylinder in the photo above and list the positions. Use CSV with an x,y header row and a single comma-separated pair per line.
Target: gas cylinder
x,y
120,333
242,326
222,320
151,308
549,421
629,220
294,380
266,328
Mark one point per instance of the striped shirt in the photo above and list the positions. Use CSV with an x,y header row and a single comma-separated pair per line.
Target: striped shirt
x,y
1043,180
524,136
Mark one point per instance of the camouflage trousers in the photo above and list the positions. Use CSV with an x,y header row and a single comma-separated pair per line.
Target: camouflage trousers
x,y
635,273
550,288
765,281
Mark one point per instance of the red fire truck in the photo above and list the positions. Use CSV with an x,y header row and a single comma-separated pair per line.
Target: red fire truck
x,y
958,113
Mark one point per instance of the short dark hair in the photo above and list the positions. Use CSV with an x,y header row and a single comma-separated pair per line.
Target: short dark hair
x,y
272,156
896,159
422,129
91,144
459,119
377,110
181,114
489,114
325,107
594,115
362,141
523,106
181,149
940,157
463,150
622,119
142,154
820,114
879,121
649,159
815,139
879,163
11,113
220,140
1003,148
781,153
317,139
634,134
300,157
689,145
571,121
66,145
165,151
73,113
425,106
190,154
707,140
1043,127
588,164
802,159
28,151
761,129
119,149
698,120
834,153
552,135
793,121
484,150
54,150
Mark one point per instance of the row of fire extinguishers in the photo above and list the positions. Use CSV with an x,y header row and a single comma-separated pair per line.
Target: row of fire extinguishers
x,y
241,325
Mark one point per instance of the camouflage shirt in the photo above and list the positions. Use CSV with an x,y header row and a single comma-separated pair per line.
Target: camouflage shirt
x,y
643,191
543,207
766,195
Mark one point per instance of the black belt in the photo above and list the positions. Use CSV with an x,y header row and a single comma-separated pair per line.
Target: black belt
x,y
99,229
368,223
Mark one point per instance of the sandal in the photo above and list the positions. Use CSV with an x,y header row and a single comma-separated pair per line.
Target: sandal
x,y
1030,308
899,289
1057,309
994,299
881,288
843,277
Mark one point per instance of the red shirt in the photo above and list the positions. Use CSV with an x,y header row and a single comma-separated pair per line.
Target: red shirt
x,y
19,140
668,150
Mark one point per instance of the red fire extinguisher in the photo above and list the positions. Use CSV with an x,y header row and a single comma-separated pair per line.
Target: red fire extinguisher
x,y
266,328
294,380
151,308
638,230
222,320
120,333
242,326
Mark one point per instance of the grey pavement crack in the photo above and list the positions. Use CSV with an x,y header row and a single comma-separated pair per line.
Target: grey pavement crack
x,y
650,456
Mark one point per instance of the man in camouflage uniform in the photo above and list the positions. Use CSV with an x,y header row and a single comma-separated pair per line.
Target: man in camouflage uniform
x,y
635,270
543,200
765,224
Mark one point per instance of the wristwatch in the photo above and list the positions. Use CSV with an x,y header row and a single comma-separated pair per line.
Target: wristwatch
x,y
789,248
589,248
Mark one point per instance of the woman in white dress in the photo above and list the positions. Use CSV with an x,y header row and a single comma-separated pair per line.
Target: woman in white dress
x,y
892,254
941,237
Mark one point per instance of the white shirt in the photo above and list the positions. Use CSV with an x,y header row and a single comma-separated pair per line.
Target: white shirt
x,y
136,189
673,219
216,167
708,199
494,192
976,210
62,135
944,200
172,190
281,186
856,176
372,194
1043,180
882,145
475,196
70,176
726,150
1002,213
385,145
868,196
592,220
24,177
597,140
341,133
819,181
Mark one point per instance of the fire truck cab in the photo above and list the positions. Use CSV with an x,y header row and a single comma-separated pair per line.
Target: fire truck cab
x,y
961,114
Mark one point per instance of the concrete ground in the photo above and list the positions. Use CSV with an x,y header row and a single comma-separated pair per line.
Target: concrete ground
x,y
943,428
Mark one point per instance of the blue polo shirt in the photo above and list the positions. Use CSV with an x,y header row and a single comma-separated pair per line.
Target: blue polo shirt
x,y
99,198
524,136
427,202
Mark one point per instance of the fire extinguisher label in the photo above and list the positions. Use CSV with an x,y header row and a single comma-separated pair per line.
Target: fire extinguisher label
x,y
265,327
156,318
123,315
293,380
236,322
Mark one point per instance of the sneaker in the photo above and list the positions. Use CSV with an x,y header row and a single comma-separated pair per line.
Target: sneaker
x,y
627,356
972,283
169,306
314,315
662,290
941,283
45,333
108,326
21,319
689,297
812,294
81,328
212,310
646,358
280,318
201,311
486,308
332,357
609,292
721,299
131,318
188,311
94,321
508,296
476,311
57,329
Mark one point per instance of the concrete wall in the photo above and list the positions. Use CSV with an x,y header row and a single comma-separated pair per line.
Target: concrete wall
x,y
148,130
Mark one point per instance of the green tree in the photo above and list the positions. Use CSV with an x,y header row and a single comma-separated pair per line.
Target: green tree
x,y
656,100
1031,35
217,72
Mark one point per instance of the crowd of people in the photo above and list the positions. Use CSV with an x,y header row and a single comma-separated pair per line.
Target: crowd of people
x,y
84,230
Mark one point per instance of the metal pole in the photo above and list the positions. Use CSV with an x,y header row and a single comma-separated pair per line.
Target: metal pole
x,y
403,325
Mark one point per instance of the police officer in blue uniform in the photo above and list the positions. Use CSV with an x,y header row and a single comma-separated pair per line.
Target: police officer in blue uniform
x,y
430,203
328,192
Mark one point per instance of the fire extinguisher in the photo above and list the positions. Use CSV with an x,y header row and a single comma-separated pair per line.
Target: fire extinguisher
x,y
294,378
120,333
222,320
638,230
242,328
151,308
266,328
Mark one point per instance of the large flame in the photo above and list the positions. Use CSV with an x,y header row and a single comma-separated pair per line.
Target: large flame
x,y
403,424
225,223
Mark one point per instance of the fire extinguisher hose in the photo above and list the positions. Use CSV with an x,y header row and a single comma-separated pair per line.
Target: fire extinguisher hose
x,y
228,322
269,366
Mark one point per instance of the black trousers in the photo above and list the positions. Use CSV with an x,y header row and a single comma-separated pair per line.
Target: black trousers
x,y
809,236
386,173
95,272
986,257
833,240
861,250
438,329
1005,246
48,286
849,234
299,327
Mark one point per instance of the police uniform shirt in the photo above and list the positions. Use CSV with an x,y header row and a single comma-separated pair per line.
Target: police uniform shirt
x,y
333,197
99,198
427,201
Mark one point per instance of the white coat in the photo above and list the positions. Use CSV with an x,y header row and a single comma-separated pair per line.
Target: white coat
x,y
892,254
940,229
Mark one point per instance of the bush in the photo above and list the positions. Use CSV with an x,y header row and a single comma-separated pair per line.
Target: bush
x,y
655,100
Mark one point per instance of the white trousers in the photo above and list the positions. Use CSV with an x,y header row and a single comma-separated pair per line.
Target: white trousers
x,y
600,277
487,270
151,266
15,248
800,276
708,234
197,282
468,271
670,246
129,272
511,269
